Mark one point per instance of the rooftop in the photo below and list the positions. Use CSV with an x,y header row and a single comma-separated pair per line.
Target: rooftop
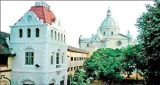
x,y
43,12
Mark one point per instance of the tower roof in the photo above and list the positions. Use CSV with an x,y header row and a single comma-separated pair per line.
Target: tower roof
x,y
109,21
42,10
98,35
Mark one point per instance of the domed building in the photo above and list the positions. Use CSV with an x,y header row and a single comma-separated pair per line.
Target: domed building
x,y
107,36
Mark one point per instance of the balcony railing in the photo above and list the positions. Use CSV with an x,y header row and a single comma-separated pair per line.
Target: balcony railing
x,y
58,65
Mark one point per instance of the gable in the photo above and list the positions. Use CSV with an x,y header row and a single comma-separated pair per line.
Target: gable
x,y
29,18
119,36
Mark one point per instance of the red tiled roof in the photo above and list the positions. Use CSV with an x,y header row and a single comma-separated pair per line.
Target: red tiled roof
x,y
43,13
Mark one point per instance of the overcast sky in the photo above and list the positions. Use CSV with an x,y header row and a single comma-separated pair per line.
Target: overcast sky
x,y
79,17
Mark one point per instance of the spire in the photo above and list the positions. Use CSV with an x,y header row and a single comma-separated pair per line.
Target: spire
x,y
109,12
128,34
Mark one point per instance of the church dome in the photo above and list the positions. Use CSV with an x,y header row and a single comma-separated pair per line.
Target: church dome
x,y
109,21
98,36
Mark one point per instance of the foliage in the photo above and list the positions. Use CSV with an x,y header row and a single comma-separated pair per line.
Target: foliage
x,y
149,27
79,78
133,58
105,64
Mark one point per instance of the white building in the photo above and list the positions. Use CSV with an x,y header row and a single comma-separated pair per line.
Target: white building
x,y
40,46
107,36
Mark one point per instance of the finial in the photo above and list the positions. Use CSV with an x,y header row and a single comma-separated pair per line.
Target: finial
x,y
109,12
128,31
81,35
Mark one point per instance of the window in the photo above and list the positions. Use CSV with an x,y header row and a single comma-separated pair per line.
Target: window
x,y
62,82
104,33
51,60
51,34
20,33
57,58
61,37
3,60
29,58
68,70
74,68
71,58
58,37
62,59
111,33
87,45
37,32
64,39
74,58
29,32
55,35
119,43
71,68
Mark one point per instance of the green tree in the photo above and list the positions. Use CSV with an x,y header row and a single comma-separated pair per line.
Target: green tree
x,y
149,27
105,65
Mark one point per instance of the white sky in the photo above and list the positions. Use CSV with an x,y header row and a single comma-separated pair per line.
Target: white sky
x,y
79,17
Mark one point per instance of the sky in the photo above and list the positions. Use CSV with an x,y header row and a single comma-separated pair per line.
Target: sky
x,y
79,17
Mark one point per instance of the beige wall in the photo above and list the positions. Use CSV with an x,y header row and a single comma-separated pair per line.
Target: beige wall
x,y
90,50
6,74
75,63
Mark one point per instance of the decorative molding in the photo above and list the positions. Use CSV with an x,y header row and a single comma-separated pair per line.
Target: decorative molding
x,y
9,70
27,77
35,20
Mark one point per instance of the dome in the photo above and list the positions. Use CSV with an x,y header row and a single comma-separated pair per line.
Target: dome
x,y
98,36
109,21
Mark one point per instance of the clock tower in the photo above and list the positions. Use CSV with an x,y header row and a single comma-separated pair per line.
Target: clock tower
x,y
40,47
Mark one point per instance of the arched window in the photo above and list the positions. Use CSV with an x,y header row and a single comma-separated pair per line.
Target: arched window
x,y
51,59
29,32
64,39
55,35
20,33
58,37
61,37
52,82
51,34
87,45
29,57
37,32
27,82
57,58
111,33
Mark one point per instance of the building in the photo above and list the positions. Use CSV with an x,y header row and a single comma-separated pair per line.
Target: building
x,y
76,58
41,49
5,60
107,36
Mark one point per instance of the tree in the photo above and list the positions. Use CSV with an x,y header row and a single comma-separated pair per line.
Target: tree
x,y
149,27
79,78
105,65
